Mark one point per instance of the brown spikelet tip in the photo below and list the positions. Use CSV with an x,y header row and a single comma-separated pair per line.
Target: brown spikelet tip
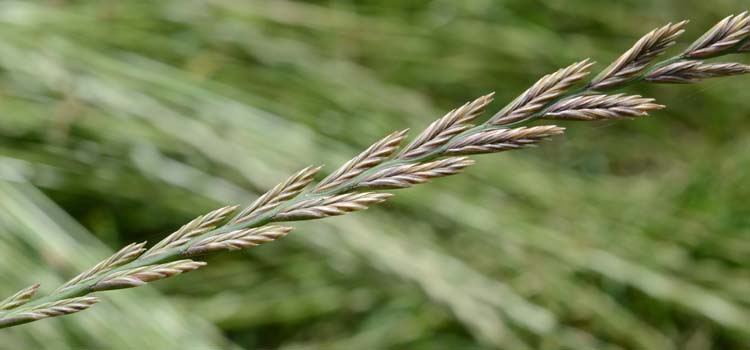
x,y
376,197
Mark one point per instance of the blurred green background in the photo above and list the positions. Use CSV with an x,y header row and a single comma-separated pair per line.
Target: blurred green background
x,y
120,121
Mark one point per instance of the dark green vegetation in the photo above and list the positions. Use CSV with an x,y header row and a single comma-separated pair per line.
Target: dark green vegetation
x,y
134,118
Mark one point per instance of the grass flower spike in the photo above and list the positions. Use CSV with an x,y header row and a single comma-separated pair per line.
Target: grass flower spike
x,y
442,149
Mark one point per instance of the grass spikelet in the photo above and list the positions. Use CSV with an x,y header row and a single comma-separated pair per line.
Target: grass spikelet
x,y
404,176
371,157
281,192
194,228
142,275
498,140
237,239
688,72
724,36
52,309
637,58
443,129
545,90
598,107
20,298
122,257
318,208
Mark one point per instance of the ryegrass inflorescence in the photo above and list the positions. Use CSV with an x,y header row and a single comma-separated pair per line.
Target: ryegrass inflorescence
x,y
440,150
